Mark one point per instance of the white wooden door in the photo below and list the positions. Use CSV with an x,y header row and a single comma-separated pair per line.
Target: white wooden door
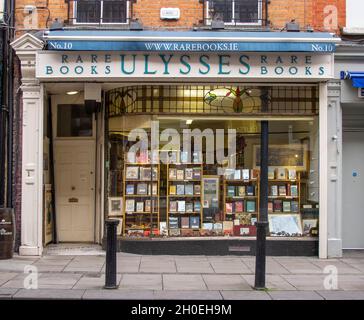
x,y
353,187
75,190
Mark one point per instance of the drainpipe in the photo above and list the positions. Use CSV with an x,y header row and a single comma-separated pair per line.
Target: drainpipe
x,y
3,115
267,22
10,101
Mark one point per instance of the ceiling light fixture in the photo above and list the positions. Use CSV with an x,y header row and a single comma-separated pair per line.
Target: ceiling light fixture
x,y
71,93
189,121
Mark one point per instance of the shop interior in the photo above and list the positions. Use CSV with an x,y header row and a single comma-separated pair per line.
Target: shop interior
x,y
208,184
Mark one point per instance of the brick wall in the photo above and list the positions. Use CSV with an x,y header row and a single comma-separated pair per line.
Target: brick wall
x,y
149,13
314,13
282,11
305,12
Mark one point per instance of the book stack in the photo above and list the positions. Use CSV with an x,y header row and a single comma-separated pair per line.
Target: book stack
x,y
137,206
182,206
240,207
184,174
285,206
183,187
240,191
141,189
241,174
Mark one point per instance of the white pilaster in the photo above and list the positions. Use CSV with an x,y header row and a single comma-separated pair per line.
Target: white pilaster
x,y
334,151
323,202
330,243
32,147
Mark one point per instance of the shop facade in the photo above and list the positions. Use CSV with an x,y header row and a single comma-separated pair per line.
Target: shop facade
x,y
161,131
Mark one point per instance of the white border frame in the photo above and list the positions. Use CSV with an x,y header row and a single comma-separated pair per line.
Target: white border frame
x,y
232,23
115,213
74,20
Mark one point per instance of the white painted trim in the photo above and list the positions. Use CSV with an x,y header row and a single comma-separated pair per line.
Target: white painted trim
x,y
29,251
32,171
353,30
323,173
40,166
165,38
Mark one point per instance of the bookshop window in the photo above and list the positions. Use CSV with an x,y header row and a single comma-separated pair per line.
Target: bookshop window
x,y
201,177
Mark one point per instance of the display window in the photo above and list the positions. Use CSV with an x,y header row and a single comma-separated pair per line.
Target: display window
x,y
184,161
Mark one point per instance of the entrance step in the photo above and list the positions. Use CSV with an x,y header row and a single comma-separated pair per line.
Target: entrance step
x,y
74,249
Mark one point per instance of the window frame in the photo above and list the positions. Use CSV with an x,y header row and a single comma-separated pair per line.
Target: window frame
x,y
233,22
75,22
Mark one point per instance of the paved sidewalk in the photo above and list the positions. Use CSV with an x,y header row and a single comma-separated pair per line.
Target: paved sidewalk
x,y
182,277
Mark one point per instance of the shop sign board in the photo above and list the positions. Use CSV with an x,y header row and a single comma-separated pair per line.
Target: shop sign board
x,y
175,66
191,46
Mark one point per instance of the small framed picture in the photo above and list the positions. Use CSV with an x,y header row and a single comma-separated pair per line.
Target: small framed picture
x,y
308,224
115,206
132,173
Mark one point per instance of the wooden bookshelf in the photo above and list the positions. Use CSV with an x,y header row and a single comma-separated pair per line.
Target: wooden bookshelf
x,y
287,183
242,198
144,216
176,181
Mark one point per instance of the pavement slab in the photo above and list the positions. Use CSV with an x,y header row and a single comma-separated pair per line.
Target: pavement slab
x,y
342,267
194,266
230,267
245,295
141,281
183,282
273,282
295,295
225,282
357,266
16,265
49,294
272,267
6,276
341,295
7,293
96,281
351,282
163,266
297,266
306,282
118,295
187,295
44,280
